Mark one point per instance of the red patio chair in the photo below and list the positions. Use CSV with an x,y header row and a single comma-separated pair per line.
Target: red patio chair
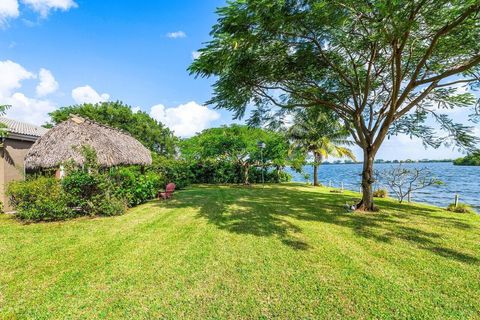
x,y
169,189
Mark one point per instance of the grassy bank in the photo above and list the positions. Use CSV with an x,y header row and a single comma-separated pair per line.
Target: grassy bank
x,y
231,252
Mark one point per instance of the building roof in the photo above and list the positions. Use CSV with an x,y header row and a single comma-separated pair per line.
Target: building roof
x,y
62,143
23,128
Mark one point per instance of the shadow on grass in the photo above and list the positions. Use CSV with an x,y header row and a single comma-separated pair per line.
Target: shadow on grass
x,y
270,212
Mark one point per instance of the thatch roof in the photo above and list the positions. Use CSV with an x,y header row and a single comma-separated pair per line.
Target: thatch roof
x,y
62,142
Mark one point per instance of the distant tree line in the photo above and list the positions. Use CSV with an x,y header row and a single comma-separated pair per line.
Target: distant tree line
x,y
472,159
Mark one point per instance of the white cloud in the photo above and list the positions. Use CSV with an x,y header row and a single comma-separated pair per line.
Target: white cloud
x,y
47,83
176,34
27,109
8,9
196,55
22,107
87,94
12,74
43,7
135,109
186,119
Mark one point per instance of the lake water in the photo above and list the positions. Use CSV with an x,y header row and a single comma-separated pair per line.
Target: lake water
x,y
464,180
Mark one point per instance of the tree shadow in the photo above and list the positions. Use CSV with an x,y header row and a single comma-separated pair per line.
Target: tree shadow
x,y
272,212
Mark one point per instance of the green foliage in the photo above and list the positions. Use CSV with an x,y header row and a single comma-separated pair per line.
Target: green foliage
x,y
83,191
106,205
220,171
140,125
470,160
173,170
82,187
306,177
133,186
318,131
380,193
41,199
307,53
460,208
230,154
384,67
91,191
3,127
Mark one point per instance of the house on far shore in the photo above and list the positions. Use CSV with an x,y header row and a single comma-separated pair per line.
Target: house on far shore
x,y
13,149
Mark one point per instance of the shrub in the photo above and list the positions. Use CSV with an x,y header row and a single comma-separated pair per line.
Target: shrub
x,y
380,193
41,199
106,205
134,187
173,170
81,187
460,208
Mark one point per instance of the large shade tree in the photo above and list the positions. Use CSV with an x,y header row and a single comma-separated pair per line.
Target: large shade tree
x,y
384,66
317,131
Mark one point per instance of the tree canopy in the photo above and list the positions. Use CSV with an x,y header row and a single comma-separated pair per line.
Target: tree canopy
x,y
153,134
384,67
239,144
318,132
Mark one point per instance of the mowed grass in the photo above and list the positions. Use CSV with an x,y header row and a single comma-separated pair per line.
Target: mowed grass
x,y
286,251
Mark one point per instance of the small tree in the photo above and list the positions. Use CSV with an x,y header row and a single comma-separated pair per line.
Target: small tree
x,y
318,131
403,182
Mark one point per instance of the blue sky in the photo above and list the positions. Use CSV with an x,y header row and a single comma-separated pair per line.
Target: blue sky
x,y
55,53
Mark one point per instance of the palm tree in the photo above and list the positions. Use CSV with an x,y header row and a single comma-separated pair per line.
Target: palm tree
x,y
318,132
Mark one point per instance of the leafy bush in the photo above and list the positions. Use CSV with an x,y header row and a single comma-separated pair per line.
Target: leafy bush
x,y
42,199
133,186
106,205
270,176
460,208
173,170
81,187
380,193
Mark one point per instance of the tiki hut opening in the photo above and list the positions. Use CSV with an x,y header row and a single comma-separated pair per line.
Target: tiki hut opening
x,y
63,143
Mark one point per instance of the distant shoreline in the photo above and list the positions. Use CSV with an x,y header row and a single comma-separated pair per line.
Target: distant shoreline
x,y
389,162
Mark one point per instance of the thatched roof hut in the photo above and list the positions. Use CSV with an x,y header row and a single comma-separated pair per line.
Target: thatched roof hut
x,y
62,142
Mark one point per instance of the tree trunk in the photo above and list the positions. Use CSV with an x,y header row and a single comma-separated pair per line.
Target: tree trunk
x,y
245,173
366,204
317,159
315,174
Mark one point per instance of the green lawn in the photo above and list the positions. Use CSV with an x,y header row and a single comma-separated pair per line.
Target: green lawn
x,y
238,252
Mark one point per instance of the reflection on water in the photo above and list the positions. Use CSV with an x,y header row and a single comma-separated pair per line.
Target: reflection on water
x,y
457,179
